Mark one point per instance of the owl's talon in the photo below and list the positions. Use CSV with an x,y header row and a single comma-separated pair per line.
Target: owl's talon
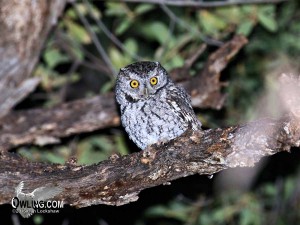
x,y
162,142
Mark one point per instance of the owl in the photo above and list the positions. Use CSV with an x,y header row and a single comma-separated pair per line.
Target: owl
x,y
153,108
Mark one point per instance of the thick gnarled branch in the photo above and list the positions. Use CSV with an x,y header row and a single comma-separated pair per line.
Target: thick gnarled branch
x,y
119,180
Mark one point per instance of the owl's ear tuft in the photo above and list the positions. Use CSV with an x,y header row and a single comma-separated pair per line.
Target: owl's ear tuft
x,y
157,63
122,69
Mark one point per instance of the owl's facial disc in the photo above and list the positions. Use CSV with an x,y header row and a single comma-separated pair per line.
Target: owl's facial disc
x,y
140,81
143,89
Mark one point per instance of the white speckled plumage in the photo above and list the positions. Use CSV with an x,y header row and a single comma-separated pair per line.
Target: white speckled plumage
x,y
153,113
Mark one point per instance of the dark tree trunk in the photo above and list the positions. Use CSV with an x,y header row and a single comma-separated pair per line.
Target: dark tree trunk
x,y
24,28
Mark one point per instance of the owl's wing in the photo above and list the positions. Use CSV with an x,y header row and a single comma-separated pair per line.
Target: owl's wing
x,y
44,193
181,102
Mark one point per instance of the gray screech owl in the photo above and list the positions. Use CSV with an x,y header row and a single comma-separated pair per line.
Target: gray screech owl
x,y
153,108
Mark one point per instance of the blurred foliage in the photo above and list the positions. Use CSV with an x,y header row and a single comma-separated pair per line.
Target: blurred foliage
x,y
73,66
269,204
88,150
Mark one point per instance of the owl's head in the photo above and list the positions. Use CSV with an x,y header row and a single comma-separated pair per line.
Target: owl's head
x,y
140,81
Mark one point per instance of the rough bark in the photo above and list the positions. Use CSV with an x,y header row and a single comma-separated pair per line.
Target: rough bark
x,y
24,27
119,180
46,126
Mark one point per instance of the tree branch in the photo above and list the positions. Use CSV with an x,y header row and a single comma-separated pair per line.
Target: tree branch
x,y
46,126
119,180
201,4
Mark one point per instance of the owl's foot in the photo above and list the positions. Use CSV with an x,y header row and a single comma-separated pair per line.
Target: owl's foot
x,y
161,142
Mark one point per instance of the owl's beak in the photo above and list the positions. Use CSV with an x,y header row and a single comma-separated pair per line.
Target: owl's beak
x,y
146,92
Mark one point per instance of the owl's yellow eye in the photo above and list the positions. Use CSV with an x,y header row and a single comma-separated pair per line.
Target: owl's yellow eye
x,y
153,80
134,84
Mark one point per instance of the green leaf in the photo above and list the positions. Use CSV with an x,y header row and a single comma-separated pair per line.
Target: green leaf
x,y
115,9
107,87
123,26
54,158
266,17
38,219
157,211
176,61
289,187
78,52
211,24
205,218
157,31
219,215
82,9
95,12
245,28
175,210
102,142
121,145
231,14
131,45
143,8
78,32
118,59
270,190
53,57
287,13
88,155
247,217
71,13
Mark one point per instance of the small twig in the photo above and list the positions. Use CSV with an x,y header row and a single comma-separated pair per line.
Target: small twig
x,y
72,69
191,60
185,25
110,35
167,40
95,40
66,43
